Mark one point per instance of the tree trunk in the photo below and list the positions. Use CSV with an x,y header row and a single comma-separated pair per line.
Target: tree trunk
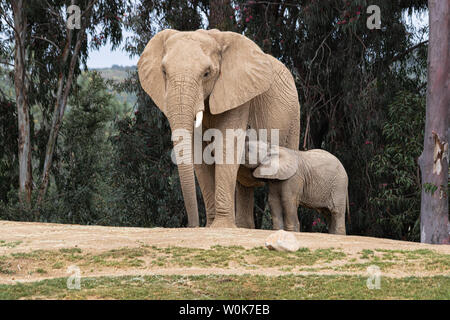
x,y
25,176
58,113
434,221
64,88
219,15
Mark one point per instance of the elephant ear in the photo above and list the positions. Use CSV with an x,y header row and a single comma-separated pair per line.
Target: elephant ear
x,y
245,72
279,164
149,67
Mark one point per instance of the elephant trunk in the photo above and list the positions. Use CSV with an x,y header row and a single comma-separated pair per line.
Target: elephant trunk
x,y
183,153
187,181
182,106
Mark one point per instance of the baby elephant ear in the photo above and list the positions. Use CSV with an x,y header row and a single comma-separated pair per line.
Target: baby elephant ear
x,y
280,164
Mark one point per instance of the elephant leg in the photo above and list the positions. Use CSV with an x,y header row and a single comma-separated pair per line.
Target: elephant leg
x,y
233,125
224,196
291,222
337,225
205,178
276,210
244,207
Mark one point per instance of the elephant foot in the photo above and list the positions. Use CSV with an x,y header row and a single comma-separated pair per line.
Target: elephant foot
x,y
337,230
340,232
223,223
209,220
245,225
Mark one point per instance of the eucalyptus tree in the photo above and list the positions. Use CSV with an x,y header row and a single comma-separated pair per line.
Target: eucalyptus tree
x,y
434,159
52,39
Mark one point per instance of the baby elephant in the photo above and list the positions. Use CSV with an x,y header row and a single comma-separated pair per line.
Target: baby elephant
x,y
314,179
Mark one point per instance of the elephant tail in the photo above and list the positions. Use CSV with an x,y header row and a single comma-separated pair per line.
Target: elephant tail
x,y
348,210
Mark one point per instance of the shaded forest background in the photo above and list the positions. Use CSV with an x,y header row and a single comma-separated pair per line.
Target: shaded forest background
x,y
362,96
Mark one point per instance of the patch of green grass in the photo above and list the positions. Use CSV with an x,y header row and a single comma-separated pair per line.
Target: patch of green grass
x,y
12,244
70,250
366,254
5,268
37,254
232,287
58,259
41,271
217,256
425,258
286,269
125,257
422,259
222,257
384,266
304,259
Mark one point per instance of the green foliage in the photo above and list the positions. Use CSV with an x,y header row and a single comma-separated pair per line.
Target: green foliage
x,y
80,189
430,188
8,138
396,199
8,148
46,38
115,76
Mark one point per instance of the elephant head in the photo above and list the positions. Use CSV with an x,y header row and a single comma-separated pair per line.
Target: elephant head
x,y
182,70
270,162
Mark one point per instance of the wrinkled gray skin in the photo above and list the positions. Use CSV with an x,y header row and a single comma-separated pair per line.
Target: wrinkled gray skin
x,y
314,179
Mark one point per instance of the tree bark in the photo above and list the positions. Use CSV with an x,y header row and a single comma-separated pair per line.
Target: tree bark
x,y
25,174
434,220
64,88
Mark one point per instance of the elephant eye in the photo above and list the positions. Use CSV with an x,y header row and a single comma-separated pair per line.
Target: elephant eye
x,y
206,73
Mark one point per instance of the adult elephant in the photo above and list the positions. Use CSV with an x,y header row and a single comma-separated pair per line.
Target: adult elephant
x,y
219,80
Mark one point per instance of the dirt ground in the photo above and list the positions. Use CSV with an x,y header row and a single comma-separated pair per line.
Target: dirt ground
x,y
48,236
22,237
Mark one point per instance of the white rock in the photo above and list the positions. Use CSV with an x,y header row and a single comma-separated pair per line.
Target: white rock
x,y
282,241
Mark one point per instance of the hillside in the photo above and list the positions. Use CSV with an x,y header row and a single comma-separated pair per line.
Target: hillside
x,y
118,74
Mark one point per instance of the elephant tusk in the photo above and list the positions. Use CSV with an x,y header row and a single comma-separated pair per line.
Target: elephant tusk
x,y
198,119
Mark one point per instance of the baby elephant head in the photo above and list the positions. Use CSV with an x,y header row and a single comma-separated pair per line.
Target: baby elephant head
x,y
270,162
